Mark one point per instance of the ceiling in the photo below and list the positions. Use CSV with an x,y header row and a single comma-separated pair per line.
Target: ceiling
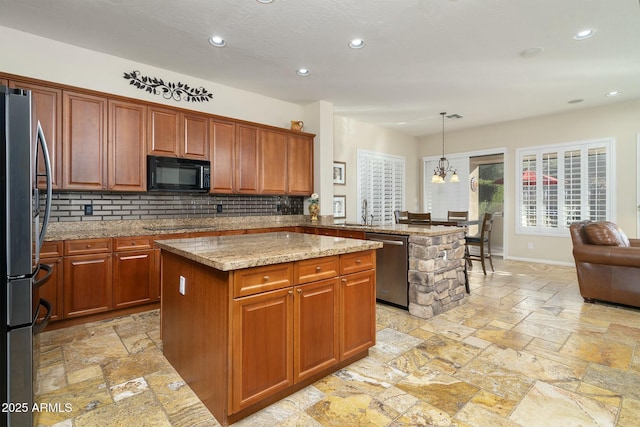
x,y
421,57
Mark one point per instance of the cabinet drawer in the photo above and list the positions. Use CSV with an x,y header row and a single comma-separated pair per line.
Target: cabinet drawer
x,y
51,249
87,246
358,261
261,279
352,234
312,270
132,243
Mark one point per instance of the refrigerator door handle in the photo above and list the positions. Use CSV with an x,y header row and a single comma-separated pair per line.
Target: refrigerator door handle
x,y
41,281
38,327
47,167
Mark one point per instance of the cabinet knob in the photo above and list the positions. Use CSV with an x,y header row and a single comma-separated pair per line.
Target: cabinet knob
x,y
290,292
133,243
318,268
344,280
265,278
88,245
299,291
358,261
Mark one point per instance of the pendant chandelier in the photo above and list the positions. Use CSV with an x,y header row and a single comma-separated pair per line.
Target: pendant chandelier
x,y
443,168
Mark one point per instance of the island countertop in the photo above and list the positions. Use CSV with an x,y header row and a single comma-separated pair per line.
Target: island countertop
x,y
236,252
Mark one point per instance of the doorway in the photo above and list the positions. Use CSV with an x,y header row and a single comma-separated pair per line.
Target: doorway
x,y
486,195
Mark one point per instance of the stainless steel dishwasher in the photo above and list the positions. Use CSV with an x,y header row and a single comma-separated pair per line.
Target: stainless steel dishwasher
x,y
392,263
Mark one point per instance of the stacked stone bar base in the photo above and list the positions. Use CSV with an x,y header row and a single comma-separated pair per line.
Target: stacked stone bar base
x,y
436,274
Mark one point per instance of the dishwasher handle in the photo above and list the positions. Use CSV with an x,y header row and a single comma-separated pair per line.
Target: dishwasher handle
x,y
388,242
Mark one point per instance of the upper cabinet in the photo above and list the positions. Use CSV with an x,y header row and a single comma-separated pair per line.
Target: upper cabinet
x,y
84,142
273,162
172,133
46,108
223,135
299,164
127,144
246,159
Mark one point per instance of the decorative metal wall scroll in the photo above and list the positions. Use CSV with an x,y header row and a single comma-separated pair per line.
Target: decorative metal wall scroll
x,y
175,91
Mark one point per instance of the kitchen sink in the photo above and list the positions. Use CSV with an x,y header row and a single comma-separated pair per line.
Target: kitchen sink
x,y
349,224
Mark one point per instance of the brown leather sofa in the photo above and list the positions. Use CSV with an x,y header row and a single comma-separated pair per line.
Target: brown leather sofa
x,y
607,263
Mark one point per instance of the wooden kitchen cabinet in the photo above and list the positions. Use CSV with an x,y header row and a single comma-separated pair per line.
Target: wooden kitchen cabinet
x,y
316,327
46,107
127,145
52,290
246,173
262,345
222,156
134,275
172,133
84,141
357,311
299,165
272,153
87,280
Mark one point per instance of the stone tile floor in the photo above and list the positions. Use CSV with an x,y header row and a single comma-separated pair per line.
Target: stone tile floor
x,y
523,351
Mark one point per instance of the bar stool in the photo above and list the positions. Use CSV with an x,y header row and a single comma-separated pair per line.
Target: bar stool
x,y
483,242
457,215
401,217
419,218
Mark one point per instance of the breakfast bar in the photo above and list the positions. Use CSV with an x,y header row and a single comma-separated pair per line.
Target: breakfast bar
x,y
248,319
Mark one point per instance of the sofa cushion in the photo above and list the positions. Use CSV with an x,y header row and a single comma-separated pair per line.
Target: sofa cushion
x,y
605,233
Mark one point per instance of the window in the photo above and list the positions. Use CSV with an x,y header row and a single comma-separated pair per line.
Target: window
x,y
562,184
381,182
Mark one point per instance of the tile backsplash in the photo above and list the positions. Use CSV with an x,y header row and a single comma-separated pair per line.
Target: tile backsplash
x,y
106,206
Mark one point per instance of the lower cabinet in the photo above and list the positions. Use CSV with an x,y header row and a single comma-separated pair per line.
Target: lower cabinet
x,y
133,278
87,284
357,319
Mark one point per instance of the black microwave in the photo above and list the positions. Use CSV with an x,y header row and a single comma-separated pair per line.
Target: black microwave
x,y
174,174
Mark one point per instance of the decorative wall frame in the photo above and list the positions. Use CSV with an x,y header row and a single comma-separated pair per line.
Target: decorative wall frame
x,y
175,91
339,207
339,173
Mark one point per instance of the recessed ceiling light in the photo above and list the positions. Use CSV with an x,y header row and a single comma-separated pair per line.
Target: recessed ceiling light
x,y
302,72
613,93
217,41
584,34
531,52
265,1
576,101
356,44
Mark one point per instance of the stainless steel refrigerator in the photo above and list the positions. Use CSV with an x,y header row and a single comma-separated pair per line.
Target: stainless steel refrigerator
x,y
22,238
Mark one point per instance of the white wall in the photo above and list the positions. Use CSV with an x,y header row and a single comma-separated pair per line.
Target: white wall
x,y
350,135
40,58
620,120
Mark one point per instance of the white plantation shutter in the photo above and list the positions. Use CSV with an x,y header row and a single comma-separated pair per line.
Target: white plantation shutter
x,y
381,182
561,184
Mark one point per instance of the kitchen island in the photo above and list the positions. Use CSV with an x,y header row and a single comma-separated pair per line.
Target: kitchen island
x,y
248,319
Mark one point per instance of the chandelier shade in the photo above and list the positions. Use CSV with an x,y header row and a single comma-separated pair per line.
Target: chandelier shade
x,y
444,168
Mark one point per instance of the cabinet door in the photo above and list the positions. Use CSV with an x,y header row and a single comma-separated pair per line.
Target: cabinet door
x,y
262,346
316,327
246,159
52,290
273,162
300,165
87,284
195,137
46,107
85,142
163,135
127,146
133,278
358,313
222,156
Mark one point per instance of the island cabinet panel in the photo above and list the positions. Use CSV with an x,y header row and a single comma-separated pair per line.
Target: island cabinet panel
x,y
127,146
300,165
85,142
46,107
262,347
312,270
273,162
246,159
251,281
316,328
222,156
195,329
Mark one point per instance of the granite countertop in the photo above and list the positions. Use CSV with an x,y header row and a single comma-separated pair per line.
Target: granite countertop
x,y
251,250
105,229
